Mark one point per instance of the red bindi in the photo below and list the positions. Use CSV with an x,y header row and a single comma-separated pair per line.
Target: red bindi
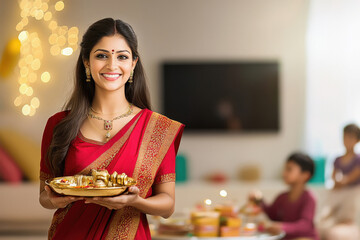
x,y
112,51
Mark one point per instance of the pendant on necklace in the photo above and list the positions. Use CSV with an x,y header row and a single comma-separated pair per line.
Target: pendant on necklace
x,y
108,125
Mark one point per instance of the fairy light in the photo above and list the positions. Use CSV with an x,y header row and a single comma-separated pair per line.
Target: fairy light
x,y
59,6
23,36
45,77
26,109
62,39
207,202
35,102
223,193
67,51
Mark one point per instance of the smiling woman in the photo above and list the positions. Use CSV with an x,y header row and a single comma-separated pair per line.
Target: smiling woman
x,y
107,123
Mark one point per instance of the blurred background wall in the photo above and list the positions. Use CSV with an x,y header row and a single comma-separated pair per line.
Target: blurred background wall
x,y
185,30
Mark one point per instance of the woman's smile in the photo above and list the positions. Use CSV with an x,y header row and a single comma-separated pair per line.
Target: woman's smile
x,y
111,76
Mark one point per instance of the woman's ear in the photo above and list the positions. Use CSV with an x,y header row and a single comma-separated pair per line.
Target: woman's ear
x,y
86,62
134,62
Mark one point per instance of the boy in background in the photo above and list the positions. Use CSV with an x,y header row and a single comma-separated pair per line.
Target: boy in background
x,y
293,211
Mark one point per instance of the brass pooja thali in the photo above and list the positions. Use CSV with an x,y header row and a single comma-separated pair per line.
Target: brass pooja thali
x,y
99,184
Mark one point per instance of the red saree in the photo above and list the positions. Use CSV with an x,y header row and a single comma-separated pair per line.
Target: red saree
x,y
144,149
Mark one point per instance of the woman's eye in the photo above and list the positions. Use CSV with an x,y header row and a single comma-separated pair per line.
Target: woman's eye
x,y
101,56
122,57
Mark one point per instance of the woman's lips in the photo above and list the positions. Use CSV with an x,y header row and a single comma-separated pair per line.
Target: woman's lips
x,y
111,76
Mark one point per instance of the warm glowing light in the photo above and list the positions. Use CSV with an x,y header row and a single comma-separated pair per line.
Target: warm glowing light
x,y
67,51
38,53
23,36
39,14
45,77
207,202
59,5
26,109
22,80
19,26
73,31
53,25
32,111
53,38
62,30
17,101
72,39
55,50
24,71
44,7
47,16
35,65
37,4
29,58
35,103
32,77
23,87
25,49
22,63
29,91
223,193
61,41
35,43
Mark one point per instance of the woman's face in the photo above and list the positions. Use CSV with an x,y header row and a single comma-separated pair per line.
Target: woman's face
x,y
111,62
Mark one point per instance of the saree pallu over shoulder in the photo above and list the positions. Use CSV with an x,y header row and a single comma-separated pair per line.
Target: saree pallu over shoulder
x,y
159,134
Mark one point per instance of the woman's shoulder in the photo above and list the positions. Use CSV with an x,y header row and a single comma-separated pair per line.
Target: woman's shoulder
x,y
57,117
162,117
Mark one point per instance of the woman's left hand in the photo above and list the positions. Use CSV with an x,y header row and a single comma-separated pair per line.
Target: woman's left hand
x,y
117,202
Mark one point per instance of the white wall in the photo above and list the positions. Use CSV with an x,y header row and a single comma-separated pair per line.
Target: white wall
x,y
188,30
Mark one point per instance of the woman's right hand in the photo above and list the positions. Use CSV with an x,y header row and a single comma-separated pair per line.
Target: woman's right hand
x,y
59,201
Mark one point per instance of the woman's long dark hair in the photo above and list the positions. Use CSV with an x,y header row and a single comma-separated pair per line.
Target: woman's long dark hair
x,y
83,93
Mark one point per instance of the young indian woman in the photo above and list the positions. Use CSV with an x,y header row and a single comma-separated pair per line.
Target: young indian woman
x,y
107,124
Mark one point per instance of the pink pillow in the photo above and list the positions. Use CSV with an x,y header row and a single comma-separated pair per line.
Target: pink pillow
x,y
9,171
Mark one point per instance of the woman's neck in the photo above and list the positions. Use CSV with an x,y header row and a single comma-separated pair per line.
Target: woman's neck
x,y
108,103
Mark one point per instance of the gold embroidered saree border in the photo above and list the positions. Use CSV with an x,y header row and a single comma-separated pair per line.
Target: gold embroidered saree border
x,y
58,218
170,177
159,135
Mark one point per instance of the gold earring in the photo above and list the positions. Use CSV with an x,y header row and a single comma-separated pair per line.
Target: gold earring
x,y
131,77
88,77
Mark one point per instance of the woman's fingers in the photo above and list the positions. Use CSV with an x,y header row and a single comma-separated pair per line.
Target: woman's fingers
x,y
134,190
60,201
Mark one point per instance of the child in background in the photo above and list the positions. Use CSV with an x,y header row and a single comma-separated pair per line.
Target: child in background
x,y
338,215
347,167
293,211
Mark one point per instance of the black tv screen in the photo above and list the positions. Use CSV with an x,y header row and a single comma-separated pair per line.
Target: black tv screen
x,y
235,96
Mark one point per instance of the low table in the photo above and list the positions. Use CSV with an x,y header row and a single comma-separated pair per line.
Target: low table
x,y
257,237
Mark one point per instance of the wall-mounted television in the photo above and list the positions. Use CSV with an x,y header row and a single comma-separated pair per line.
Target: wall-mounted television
x,y
223,96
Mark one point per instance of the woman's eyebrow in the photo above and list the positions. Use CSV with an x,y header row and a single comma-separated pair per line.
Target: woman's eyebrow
x,y
103,50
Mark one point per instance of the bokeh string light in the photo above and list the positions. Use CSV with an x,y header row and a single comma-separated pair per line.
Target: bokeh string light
x,y
62,39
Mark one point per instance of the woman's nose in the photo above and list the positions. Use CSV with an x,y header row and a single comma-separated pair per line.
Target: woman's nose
x,y
112,62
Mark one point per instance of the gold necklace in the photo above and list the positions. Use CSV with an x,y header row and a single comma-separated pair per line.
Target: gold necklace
x,y
108,124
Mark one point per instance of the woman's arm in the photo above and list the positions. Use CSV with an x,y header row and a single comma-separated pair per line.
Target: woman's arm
x,y
50,200
162,203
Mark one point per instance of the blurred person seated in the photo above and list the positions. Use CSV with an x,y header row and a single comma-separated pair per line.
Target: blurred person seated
x,y
340,206
293,211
